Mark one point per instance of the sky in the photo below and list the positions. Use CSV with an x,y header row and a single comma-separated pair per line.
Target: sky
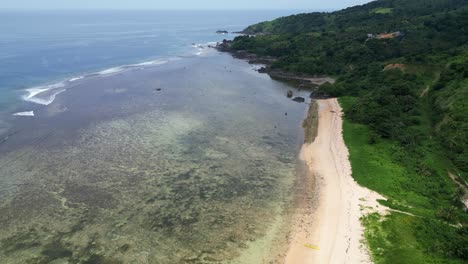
x,y
179,4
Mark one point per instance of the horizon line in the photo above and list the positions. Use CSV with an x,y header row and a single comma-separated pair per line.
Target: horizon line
x,y
171,9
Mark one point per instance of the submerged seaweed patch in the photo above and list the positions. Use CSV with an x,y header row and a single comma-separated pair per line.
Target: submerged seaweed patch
x,y
20,241
180,207
96,259
55,251
89,195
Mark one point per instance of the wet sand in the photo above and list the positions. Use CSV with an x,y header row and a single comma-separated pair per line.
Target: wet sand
x,y
331,231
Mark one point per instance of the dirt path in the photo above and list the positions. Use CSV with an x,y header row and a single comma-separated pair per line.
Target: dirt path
x,y
333,232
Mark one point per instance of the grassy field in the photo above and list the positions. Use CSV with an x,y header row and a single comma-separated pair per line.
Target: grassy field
x,y
423,234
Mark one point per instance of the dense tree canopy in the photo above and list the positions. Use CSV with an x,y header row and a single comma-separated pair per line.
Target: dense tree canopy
x,y
433,40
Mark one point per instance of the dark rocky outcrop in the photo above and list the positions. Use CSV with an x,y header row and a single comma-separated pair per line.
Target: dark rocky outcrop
x,y
299,99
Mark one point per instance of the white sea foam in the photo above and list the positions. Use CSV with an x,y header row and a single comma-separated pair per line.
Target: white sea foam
x,y
76,79
46,94
111,71
34,94
202,48
202,51
204,45
46,100
28,113
34,91
130,66
150,63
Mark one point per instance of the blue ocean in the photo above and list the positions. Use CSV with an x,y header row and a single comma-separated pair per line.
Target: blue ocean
x,y
41,48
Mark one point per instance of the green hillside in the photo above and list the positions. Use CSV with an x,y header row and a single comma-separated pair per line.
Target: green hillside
x,y
402,78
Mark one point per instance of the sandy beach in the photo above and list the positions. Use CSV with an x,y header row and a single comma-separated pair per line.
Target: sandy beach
x,y
330,231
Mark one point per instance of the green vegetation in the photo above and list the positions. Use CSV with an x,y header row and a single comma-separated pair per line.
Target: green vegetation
x,y
382,10
405,102
402,238
424,233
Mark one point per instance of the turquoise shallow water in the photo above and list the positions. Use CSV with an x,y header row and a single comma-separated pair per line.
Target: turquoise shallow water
x,y
191,161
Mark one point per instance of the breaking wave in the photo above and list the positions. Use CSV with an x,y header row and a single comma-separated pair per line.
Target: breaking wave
x,y
46,94
203,48
27,113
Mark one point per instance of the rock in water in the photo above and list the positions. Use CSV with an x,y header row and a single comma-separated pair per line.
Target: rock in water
x,y
289,94
299,99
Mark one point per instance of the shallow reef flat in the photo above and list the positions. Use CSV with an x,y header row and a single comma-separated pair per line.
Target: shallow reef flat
x,y
193,162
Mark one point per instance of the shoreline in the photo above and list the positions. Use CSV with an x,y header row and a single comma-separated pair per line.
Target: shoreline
x,y
329,230
306,81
